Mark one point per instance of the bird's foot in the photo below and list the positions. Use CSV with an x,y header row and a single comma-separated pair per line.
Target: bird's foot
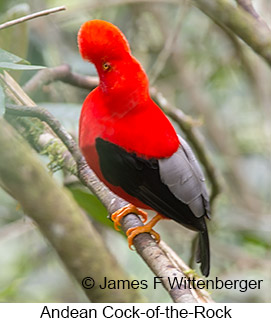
x,y
118,215
147,228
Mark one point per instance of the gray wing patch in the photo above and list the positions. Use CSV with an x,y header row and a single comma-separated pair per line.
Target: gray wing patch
x,y
184,178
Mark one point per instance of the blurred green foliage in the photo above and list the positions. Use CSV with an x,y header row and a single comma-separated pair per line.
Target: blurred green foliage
x,y
208,76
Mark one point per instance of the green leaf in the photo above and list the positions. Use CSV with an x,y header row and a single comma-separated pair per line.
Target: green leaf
x,y
254,239
12,66
11,58
92,206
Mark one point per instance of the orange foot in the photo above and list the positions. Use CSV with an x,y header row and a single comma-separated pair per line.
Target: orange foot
x,y
118,215
133,232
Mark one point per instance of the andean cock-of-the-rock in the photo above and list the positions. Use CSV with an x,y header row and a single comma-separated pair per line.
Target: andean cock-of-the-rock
x,y
132,146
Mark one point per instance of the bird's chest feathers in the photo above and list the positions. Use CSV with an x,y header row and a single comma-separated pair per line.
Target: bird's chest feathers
x,y
145,131
142,134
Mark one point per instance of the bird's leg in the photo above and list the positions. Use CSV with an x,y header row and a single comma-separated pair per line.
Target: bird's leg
x,y
133,232
130,208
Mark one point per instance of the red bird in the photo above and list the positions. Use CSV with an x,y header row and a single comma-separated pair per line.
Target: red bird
x,y
131,145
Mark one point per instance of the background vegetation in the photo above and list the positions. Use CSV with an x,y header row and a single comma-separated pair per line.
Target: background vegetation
x,y
199,67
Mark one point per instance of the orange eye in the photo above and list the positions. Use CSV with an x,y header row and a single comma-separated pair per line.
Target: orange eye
x,y
106,66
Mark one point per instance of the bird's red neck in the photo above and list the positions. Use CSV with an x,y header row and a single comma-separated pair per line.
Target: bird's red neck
x,y
125,86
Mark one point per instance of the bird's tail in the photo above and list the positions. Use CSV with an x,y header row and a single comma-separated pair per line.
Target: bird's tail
x,y
203,253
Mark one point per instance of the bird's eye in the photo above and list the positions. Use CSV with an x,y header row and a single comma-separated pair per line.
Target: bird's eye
x,y
106,66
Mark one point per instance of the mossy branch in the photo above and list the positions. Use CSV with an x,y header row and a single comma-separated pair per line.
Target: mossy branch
x,y
251,30
58,217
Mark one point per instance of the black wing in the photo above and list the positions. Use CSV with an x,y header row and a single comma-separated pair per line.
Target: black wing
x,y
141,178
148,181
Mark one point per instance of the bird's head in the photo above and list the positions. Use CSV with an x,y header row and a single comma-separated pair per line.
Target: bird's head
x,y
99,41
104,45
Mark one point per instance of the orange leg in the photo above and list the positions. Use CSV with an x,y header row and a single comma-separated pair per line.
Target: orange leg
x,y
133,232
118,215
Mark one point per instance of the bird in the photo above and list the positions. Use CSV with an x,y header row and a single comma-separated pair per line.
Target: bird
x,y
131,145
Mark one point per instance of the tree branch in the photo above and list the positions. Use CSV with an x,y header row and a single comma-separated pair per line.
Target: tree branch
x,y
252,31
60,73
247,6
31,16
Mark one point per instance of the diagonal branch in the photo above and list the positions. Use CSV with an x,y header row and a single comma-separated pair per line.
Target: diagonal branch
x,y
144,244
252,31
247,6
31,16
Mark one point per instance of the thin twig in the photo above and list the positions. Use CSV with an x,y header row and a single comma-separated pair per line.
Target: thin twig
x,y
60,73
169,43
31,16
